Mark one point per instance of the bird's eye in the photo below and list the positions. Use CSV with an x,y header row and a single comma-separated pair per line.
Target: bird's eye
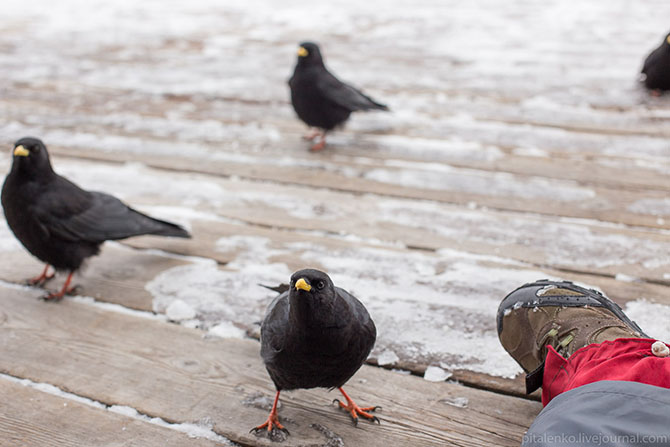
x,y
320,285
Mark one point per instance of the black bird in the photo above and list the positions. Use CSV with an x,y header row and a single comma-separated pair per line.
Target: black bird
x,y
657,67
319,98
60,223
315,335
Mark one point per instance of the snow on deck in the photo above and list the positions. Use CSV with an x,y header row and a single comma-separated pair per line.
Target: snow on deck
x,y
501,103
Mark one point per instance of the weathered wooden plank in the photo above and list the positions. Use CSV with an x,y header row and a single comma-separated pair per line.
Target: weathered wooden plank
x,y
174,373
117,262
118,275
584,246
588,202
418,145
31,418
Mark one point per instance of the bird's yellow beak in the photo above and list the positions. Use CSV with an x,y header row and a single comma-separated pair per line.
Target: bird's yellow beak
x,y
302,52
301,284
20,151
668,39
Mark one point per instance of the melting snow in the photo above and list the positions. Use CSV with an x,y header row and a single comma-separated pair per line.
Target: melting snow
x,y
179,311
226,329
459,402
198,430
387,357
436,374
651,317
425,305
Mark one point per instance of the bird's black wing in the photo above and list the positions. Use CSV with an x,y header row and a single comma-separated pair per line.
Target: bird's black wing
x,y
73,214
356,311
345,95
274,327
653,59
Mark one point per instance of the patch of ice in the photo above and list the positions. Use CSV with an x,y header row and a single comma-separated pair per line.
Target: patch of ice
x,y
443,177
434,149
179,311
53,390
132,179
651,317
202,430
226,329
305,208
625,278
654,207
117,308
387,357
436,374
459,402
231,294
124,410
568,242
530,152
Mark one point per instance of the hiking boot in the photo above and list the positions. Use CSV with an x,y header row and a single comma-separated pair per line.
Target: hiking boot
x,y
562,315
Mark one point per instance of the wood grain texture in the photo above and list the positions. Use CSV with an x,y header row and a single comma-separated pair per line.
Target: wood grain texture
x,y
118,275
173,372
607,203
31,418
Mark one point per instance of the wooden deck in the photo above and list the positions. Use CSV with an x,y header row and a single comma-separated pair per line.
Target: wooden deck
x,y
512,152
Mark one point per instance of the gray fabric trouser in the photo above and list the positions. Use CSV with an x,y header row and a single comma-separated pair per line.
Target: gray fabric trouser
x,y
606,413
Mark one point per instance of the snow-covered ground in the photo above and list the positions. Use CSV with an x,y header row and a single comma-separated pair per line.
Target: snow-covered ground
x,y
467,83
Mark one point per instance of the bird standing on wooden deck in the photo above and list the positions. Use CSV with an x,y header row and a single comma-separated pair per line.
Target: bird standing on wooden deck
x,y
60,223
320,99
315,335
657,67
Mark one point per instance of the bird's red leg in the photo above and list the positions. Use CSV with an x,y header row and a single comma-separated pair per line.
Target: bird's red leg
x,y
40,280
57,296
321,144
311,135
355,410
272,421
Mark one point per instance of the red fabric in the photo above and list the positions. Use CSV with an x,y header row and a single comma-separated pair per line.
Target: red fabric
x,y
628,359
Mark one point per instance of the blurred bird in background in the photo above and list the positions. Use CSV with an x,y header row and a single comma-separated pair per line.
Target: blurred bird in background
x,y
320,99
656,69
61,224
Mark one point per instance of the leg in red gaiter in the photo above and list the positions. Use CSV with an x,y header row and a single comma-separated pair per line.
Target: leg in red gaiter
x,y
604,382
627,359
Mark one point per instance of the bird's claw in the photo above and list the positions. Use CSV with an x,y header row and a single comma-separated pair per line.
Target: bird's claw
x,y
52,296
39,281
57,296
318,146
260,429
271,427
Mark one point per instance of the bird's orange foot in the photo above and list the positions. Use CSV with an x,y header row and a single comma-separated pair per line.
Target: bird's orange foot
x,y
318,146
41,279
354,410
311,135
271,425
66,290
57,296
